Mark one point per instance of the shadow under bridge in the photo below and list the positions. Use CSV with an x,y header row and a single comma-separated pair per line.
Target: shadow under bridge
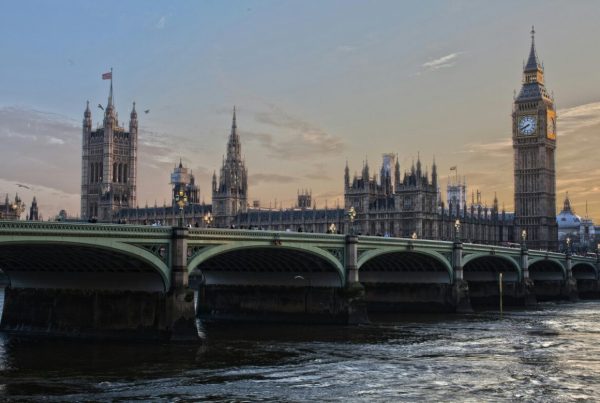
x,y
405,267
82,267
482,273
267,266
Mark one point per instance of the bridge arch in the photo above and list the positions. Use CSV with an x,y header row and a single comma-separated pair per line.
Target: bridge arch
x,y
584,271
400,265
546,269
268,265
82,263
485,267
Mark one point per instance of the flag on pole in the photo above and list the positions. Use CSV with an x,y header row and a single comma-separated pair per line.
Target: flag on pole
x,y
107,76
453,168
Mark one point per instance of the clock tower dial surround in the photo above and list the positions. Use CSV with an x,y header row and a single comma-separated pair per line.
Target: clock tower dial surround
x,y
534,145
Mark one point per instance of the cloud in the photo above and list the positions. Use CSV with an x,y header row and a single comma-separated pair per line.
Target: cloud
x,y
256,179
572,120
346,48
54,140
25,156
298,139
497,148
161,22
441,62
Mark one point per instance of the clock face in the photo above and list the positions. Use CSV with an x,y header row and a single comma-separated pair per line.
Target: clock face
x,y
527,125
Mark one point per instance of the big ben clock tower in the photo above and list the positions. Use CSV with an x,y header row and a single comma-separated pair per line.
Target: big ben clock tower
x,y
534,144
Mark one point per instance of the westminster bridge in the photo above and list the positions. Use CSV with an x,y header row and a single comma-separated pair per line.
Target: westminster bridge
x,y
113,281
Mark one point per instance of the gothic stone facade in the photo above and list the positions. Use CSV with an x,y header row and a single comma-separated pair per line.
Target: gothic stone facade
x,y
109,164
410,205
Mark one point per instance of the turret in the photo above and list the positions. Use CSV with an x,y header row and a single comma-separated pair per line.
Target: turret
x,y
495,205
365,173
133,119
87,118
346,176
33,210
397,174
434,176
567,204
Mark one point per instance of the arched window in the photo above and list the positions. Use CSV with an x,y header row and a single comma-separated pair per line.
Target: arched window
x,y
114,172
125,173
120,173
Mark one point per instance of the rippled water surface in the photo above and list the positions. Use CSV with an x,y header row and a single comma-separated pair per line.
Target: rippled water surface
x,y
549,353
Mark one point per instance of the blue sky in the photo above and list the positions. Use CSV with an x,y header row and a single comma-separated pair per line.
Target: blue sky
x,y
316,83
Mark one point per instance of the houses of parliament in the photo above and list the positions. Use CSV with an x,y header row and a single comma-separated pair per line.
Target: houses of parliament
x,y
387,203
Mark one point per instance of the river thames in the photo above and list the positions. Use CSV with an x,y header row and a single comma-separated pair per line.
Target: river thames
x,y
547,353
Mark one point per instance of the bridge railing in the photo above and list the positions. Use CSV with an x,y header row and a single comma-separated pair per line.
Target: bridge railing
x,y
69,227
262,234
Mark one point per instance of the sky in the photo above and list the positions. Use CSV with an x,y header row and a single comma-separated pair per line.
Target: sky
x,y
315,83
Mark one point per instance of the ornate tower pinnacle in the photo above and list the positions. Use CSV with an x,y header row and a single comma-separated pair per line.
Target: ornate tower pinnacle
x,y
231,192
133,117
347,175
233,144
87,117
532,61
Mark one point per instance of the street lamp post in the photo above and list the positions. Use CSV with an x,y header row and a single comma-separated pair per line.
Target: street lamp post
x,y
414,235
523,239
208,219
181,200
332,229
351,216
568,241
457,230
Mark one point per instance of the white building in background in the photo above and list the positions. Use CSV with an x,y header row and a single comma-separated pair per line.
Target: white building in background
x,y
456,192
580,232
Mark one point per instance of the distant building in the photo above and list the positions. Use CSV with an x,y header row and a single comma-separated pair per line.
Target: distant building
x,y
109,164
33,211
183,180
304,199
574,232
12,210
392,205
456,191
195,213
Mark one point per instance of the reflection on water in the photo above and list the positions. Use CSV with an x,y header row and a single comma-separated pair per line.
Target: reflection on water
x,y
544,354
